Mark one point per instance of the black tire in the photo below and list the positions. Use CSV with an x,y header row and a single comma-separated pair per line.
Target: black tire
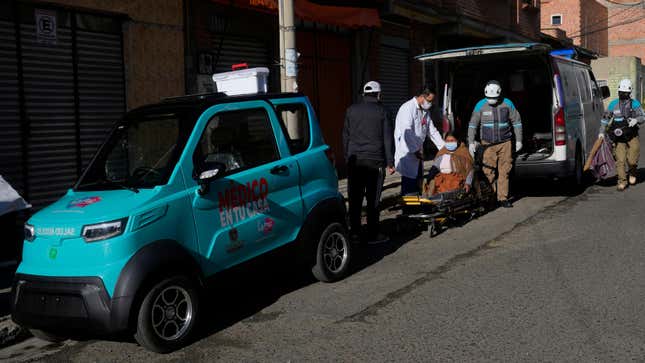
x,y
333,254
48,336
158,303
577,181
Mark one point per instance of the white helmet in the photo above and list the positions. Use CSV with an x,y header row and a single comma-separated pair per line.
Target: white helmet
x,y
372,87
493,89
625,86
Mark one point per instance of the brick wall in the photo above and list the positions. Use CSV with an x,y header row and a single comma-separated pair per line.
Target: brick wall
x,y
570,11
594,33
153,42
614,69
507,14
627,39
584,21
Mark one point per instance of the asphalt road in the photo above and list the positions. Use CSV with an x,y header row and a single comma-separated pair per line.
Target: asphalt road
x,y
557,278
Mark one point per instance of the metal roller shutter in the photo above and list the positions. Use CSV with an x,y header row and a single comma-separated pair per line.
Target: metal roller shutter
x,y
394,73
10,130
237,49
48,75
100,88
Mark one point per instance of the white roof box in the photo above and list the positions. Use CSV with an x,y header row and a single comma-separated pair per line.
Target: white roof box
x,y
242,82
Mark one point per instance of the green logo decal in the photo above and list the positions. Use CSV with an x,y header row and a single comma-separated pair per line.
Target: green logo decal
x,y
53,253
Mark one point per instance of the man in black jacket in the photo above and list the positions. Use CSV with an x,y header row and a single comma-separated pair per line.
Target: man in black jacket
x,y
368,140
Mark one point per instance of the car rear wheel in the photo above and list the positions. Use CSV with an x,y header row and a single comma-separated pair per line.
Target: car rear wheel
x,y
167,315
47,336
333,253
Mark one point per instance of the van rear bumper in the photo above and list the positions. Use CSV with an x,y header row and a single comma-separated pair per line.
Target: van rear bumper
x,y
544,169
67,305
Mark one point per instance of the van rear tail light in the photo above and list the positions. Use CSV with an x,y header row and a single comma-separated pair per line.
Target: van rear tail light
x,y
560,128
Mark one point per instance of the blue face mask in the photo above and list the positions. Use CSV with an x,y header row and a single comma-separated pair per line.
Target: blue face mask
x,y
451,146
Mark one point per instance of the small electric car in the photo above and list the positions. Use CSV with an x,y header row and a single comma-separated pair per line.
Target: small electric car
x,y
180,191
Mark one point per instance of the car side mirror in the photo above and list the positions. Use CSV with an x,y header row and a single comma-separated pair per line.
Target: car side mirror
x,y
605,92
210,171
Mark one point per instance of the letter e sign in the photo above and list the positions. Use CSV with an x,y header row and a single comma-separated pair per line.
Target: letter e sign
x,y
46,26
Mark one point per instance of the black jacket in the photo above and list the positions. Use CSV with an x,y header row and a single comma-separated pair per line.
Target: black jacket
x,y
367,134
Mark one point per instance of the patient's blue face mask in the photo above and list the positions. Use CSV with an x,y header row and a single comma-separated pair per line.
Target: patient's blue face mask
x,y
451,146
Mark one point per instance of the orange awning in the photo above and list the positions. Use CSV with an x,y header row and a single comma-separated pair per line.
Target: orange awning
x,y
343,16
346,17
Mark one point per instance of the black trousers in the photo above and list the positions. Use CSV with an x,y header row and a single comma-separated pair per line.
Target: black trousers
x,y
365,181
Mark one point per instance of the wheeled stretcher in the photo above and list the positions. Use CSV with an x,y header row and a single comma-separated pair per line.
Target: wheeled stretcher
x,y
436,212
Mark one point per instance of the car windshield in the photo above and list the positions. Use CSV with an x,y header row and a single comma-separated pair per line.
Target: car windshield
x,y
141,152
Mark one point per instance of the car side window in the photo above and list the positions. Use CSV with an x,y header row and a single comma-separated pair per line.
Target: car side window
x,y
294,119
238,139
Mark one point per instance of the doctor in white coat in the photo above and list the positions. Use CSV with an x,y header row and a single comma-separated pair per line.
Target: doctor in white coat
x,y
413,125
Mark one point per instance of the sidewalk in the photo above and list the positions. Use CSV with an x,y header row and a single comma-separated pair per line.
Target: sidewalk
x,y
391,187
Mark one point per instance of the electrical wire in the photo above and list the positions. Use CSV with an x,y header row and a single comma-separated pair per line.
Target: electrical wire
x,y
610,26
589,26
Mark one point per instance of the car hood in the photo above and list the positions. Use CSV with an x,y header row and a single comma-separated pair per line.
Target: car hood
x,y
67,216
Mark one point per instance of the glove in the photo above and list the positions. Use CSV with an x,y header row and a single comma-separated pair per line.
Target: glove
x,y
472,148
518,145
601,135
633,122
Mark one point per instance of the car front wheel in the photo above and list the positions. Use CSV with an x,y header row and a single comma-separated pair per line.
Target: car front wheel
x,y
333,253
167,315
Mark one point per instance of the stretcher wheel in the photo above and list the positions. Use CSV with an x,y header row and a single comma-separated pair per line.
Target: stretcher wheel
x,y
432,229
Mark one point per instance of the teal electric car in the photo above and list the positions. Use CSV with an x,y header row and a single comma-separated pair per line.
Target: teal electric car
x,y
180,191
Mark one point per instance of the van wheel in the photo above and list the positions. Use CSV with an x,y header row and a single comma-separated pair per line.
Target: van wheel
x,y
333,254
577,182
167,315
47,336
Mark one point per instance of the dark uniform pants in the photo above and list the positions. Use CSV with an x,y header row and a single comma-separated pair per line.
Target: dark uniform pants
x,y
365,179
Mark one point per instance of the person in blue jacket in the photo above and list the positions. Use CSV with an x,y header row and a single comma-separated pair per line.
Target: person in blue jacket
x,y
497,121
621,122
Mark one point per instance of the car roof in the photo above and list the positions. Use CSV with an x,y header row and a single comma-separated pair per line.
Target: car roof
x,y
199,102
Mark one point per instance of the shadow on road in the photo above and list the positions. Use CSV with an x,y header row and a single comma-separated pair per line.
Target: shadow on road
x,y
242,292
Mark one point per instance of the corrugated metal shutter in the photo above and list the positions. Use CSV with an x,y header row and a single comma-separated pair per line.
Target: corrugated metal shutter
x,y
100,87
10,137
48,75
394,73
237,49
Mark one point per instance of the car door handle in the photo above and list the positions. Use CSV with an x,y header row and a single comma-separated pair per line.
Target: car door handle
x,y
280,169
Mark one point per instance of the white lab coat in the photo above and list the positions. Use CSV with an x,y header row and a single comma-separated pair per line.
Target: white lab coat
x,y
409,135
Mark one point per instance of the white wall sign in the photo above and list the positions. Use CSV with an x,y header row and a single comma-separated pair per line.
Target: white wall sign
x,y
46,26
291,66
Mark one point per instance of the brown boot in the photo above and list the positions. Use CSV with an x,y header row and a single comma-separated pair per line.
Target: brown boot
x,y
632,180
621,186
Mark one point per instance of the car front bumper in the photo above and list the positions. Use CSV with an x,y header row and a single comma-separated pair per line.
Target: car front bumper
x,y
67,305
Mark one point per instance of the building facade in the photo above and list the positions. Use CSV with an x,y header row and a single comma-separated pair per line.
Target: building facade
x,y
70,68
626,28
583,22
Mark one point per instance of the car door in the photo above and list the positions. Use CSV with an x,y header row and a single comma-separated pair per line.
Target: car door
x,y
247,211
573,106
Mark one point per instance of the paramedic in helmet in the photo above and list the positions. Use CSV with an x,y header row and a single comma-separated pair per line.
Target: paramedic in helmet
x,y
624,116
497,120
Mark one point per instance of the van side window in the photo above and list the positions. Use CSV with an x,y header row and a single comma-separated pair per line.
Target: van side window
x,y
238,139
294,119
583,85
594,86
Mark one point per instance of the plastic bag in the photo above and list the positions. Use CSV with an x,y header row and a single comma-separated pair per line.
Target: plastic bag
x,y
603,165
10,200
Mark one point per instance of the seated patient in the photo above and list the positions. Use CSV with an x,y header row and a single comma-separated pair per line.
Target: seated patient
x,y
452,168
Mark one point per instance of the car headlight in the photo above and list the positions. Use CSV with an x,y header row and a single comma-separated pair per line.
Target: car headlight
x,y
101,231
30,232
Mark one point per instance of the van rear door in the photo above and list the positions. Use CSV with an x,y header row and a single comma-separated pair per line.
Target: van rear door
x,y
484,51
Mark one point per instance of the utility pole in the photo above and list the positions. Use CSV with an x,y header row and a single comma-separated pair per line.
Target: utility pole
x,y
288,59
